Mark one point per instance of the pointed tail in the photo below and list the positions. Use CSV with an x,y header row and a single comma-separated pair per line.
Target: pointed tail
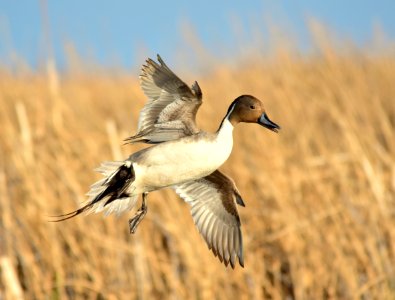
x,y
111,194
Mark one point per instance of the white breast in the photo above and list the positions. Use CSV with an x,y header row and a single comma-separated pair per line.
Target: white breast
x,y
183,160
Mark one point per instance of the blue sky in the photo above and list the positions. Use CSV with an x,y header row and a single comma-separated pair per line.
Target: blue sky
x,y
122,32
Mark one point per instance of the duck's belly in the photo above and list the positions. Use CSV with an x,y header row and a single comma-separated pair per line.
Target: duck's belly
x,y
173,163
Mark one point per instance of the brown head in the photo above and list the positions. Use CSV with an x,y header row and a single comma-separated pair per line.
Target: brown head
x,y
249,109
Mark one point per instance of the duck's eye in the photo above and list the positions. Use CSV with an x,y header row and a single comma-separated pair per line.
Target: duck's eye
x,y
252,106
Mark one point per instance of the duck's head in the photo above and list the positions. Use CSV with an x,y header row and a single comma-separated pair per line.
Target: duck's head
x,y
249,109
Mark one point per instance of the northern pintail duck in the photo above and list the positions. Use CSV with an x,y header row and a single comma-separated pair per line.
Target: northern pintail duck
x,y
183,158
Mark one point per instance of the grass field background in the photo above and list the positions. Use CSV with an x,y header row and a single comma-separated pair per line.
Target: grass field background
x,y
319,221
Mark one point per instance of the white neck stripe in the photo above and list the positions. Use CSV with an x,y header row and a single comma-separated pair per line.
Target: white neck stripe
x,y
230,111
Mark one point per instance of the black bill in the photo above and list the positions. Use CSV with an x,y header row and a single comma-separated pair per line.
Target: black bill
x,y
266,122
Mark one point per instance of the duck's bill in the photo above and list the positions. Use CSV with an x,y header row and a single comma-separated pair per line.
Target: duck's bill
x,y
266,122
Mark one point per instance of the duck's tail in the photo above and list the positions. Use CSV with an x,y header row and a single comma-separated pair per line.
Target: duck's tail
x,y
112,194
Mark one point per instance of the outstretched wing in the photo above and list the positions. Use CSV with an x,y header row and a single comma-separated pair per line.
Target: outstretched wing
x,y
213,207
171,108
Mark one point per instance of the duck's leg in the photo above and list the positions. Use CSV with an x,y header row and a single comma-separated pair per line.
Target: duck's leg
x,y
138,217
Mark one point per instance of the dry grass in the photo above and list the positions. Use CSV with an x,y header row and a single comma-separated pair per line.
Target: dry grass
x,y
319,221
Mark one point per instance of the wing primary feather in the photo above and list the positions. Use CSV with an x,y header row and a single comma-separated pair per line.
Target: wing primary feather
x,y
210,233
220,241
205,222
215,237
230,246
225,236
240,254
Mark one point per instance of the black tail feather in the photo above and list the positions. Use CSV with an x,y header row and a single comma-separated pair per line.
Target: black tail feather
x,y
115,189
117,186
72,214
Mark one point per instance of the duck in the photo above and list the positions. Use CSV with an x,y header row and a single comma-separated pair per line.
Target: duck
x,y
182,157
